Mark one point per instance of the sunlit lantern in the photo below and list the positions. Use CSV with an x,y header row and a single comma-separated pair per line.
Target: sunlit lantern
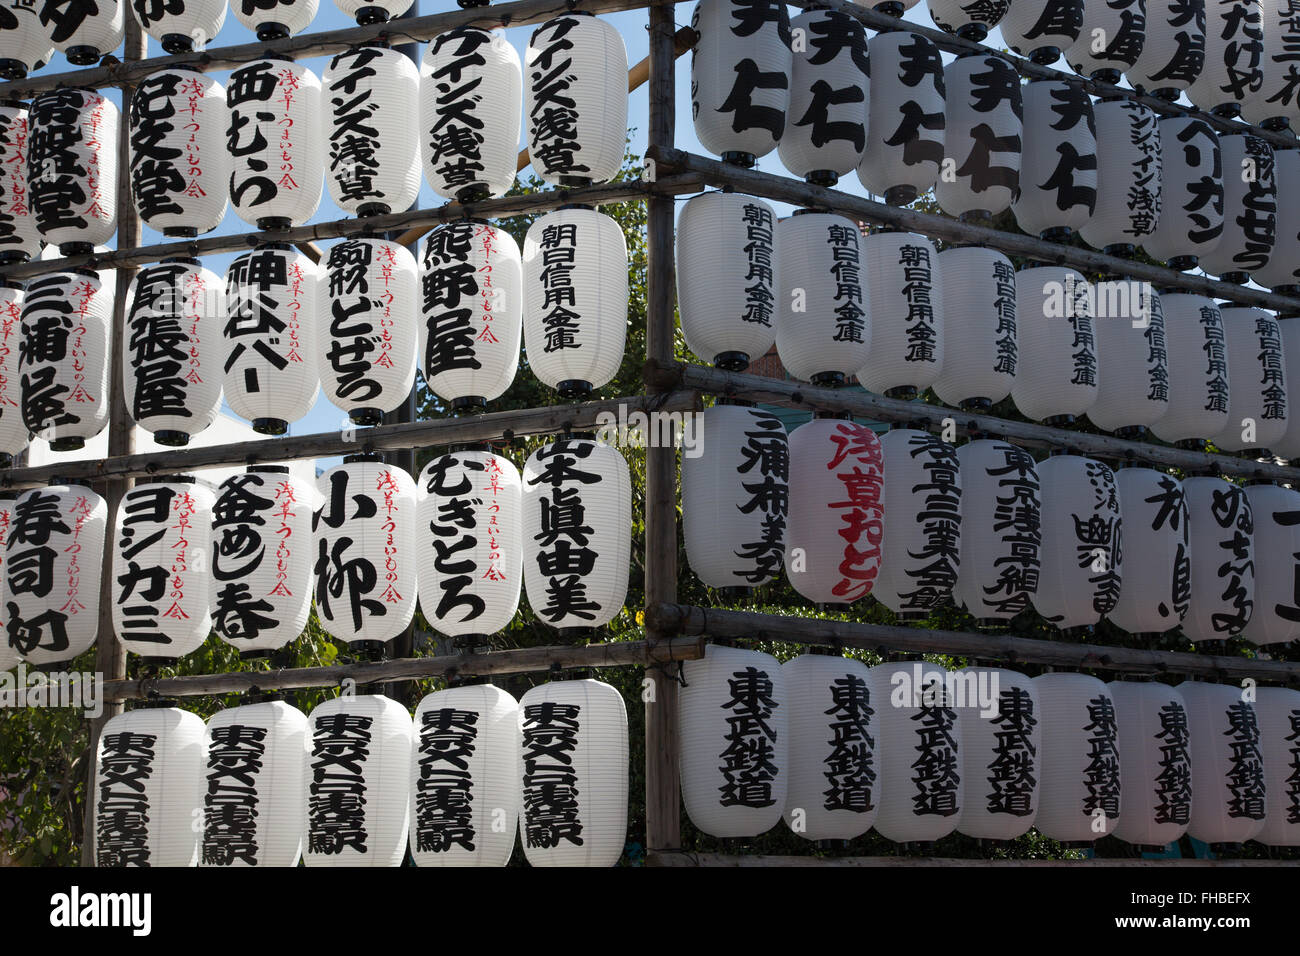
x,y
1154,763
1128,177
84,32
1277,711
983,137
905,137
1221,529
905,299
1258,409
1191,192
1275,102
275,19
970,19
1283,267
366,12
1234,54
19,238
1276,539
180,26
72,168
1058,167
1155,588
1250,210
1001,752
1056,373
1042,30
13,430
984,342
25,43
1080,795
1229,791
1174,53
1132,358
1197,357
1111,37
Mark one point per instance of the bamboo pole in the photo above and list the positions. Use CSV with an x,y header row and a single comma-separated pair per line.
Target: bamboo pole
x,y
692,860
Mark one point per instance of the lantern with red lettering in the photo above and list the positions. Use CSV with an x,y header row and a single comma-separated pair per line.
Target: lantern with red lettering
x,y
905,137
1174,53
1221,527
1191,192
1197,357
25,44
1128,177
8,656
1058,167
1080,794
1154,762
1042,29
1276,540
1001,752
1155,587
1056,375
1234,53
1277,710
19,238
1250,206
1274,103
275,19
181,26
13,430
1282,270
72,168
905,302
1132,358
84,32
1257,394
970,19
982,137
1111,38
367,12
984,342
1229,795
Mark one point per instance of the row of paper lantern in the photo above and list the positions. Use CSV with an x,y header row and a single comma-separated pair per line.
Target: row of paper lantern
x,y
835,748
357,783
921,525
248,561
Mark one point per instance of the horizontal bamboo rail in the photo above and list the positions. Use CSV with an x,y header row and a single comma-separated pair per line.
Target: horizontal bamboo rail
x,y
686,858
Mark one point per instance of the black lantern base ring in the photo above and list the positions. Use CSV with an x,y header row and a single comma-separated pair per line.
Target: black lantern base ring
x,y
1045,55
1107,75
366,416
1182,263
176,43
1059,234
370,15
900,195
829,379
373,209
1235,278
1131,432
173,439
976,405
574,388
471,4
83,55
180,232
69,443
990,623
890,8
822,177
1167,93
258,655
904,393
1275,124
1190,444
368,650
11,69
270,426
1120,250
12,257
467,403
159,662
274,223
911,616
1058,421
739,158
1227,110
6,460
731,361
976,33
68,249
266,32
471,194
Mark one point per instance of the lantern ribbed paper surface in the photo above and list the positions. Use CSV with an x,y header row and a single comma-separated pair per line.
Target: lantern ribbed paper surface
x,y
740,76
1283,266
254,786
905,299
1276,539
465,795
1080,795
25,44
1001,753
8,656
983,136
575,299
1174,53
905,137
1221,529
1197,354
180,25
972,18
471,311
736,497
734,715
1229,799
365,535
1058,165
984,342
726,283
1288,446
372,11
573,768
1250,209
1154,762
1128,175
575,69
72,166
832,745
275,17
19,238
1132,356
358,782
836,521
1056,375
1234,48
471,102
1191,191
1257,400
1276,101
262,558
1277,711
1042,27
148,788
1155,587
1111,38
469,543
13,430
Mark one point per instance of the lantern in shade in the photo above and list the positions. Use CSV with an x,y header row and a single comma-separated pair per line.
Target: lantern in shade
x,y
254,768
471,89
72,168
1288,446
8,656
1042,30
922,527
736,496
1234,49
1283,266
836,522
19,238
1001,525
833,762
13,430
1056,376
982,136
740,77
1001,753
180,167
985,338
162,574
735,750
173,354
1277,712
367,337
470,566
1154,762
726,287
471,312
892,8
25,44
573,771
1197,357
1079,797
270,336
261,559
366,12
1174,53
1132,359
905,138
149,788
1257,399
1128,177
1191,192
1275,510
364,533
970,19
1221,527
276,143
62,357
275,19
358,782
575,299
465,777
577,501
1250,207
1155,587
826,125
1058,168
823,328
84,32
181,26
905,302
1275,102
1119,27
1230,801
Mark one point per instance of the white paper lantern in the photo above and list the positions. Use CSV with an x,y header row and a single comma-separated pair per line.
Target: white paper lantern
x,y
84,32
1288,446
726,283
1234,51
1042,29
270,335
72,168
471,102
1058,167
922,527
276,142
1132,358
465,777
983,136
180,26
1250,210
148,788
1257,400
1277,711
577,535
905,137
905,299
25,44
367,337
13,430
1221,541
261,559
1276,540
1001,753
1111,37
1191,192
1154,762
1056,375
1128,177
358,782
180,164
366,12
1275,103
8,656
734,714
1282,270
736,496
19,238
1197,356
1174,53
575,299
740,77
1155,587
835,527
573,770
1229,800
471,318
833,761
1080,795
985,340
275,19
254,798
971,19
